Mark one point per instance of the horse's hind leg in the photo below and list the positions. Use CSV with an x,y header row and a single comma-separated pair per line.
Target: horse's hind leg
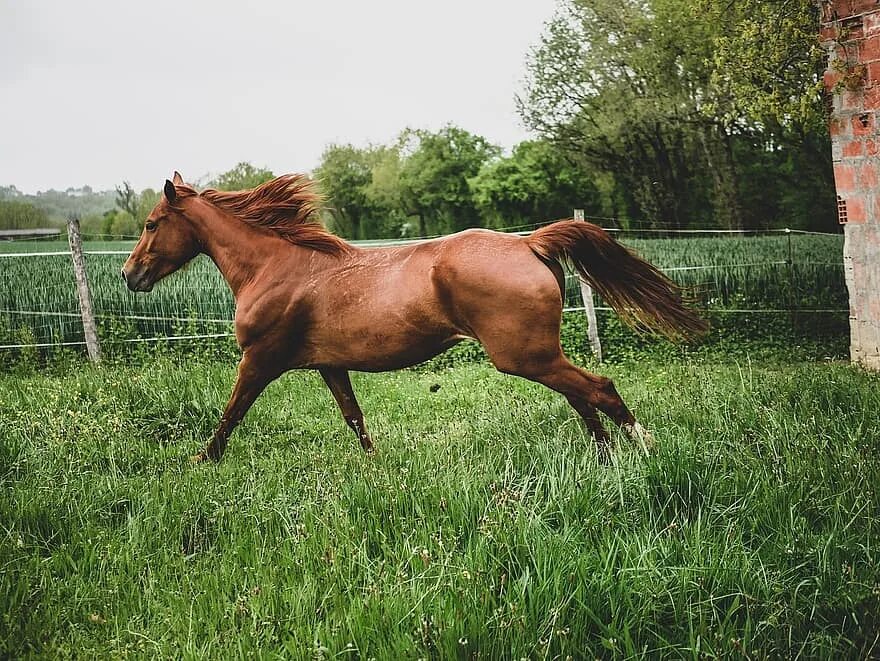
x,y
585,392
340,385
596,392
590,416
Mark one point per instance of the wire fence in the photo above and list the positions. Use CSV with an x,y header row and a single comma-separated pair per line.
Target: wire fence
x,y
727,272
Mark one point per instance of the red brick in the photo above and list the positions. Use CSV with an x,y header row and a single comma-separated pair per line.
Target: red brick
x,y
855,209
872,147
869,49
831,78
862,123
850,23
844,177
867,173
852,101
854,7
839,127
853,148
829,30
873,69
871,23
871,98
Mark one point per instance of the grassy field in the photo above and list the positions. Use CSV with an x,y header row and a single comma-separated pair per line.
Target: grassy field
x,y
483,528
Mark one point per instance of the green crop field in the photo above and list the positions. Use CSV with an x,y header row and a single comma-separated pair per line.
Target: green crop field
x,y
483,527
38,300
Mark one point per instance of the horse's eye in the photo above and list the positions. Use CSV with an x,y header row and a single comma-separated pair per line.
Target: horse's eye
x,y
151,226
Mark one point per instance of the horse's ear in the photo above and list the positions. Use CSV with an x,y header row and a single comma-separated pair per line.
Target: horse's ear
x,y
170,191
177,179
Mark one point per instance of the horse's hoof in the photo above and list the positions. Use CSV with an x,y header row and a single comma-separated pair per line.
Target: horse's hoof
x,y
642,436
199,458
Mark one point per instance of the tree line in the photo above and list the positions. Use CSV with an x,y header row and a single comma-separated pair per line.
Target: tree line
x,y
656,114
659,114
701,112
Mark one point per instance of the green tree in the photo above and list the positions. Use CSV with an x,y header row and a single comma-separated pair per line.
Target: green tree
x,y
609,84
434,177
17,215
766,61
241,177
535,183
147,200
124,225
635,88
132,209
107,222
362,186
60,205
92,227
345,174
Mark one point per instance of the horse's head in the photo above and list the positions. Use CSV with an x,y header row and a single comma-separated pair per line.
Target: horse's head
x,y
167,242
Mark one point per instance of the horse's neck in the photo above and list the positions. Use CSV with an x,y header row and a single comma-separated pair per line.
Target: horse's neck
x,y
239,250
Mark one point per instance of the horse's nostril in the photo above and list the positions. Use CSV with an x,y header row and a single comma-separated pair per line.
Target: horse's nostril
x,y
124,279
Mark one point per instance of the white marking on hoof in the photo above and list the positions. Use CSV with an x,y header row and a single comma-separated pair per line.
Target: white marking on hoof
x,y
644,437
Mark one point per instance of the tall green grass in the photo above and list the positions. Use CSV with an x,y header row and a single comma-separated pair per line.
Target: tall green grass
x,y
484,527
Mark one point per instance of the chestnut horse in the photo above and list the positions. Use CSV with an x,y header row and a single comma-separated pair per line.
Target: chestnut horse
x,y
306,299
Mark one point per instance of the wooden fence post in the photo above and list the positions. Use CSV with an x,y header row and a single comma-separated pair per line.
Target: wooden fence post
x,y
589,307
82,288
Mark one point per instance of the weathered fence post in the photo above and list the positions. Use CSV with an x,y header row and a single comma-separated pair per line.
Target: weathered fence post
x,y
789,265
82,288
589,308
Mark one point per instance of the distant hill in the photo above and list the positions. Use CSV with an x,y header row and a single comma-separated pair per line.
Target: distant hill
x,y
58,205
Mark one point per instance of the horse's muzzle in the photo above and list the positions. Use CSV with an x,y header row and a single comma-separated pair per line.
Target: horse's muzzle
x,y
136,281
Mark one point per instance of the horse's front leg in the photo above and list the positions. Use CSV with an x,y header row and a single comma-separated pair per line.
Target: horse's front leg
x,y
340,385
252,379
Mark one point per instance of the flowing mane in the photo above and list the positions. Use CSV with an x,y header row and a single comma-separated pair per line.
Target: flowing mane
x,y
288,205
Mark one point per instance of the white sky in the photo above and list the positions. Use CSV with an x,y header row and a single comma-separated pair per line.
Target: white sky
x,y
94,92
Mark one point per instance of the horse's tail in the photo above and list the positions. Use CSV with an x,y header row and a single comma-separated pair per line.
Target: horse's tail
x,y
640,294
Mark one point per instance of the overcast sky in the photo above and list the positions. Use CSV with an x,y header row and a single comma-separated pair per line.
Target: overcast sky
x,y
94,92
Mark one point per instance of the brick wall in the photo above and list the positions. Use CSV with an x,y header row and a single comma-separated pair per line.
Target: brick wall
x,y
851,34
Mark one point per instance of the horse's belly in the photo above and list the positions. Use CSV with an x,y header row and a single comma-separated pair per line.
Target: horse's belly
x,y
383,360
376,349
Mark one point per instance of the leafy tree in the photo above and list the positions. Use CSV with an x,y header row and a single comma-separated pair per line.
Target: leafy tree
x,y
17,215
92,226
535,183
635,88
147,200
345,174
241,177
608,85
107,222
124,225
766,60
132,209
434,177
